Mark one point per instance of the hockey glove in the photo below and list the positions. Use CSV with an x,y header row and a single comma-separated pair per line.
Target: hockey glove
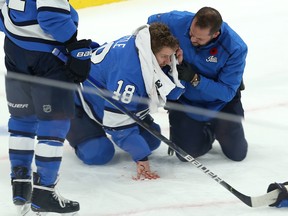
x,y
185,71
78,62
282,199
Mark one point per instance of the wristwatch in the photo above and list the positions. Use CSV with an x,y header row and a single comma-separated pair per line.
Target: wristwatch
x,y
195,80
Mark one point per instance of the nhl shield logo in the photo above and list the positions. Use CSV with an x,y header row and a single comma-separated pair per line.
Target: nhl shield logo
x,y
47,108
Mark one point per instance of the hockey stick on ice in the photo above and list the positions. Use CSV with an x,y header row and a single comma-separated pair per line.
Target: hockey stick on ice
x,y
263,200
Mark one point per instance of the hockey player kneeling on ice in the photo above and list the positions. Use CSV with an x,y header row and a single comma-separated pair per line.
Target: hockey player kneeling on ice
x,y
133,69
282,199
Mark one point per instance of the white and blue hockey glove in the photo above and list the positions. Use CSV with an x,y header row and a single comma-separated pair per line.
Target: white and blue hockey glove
x,y
282,199
78,60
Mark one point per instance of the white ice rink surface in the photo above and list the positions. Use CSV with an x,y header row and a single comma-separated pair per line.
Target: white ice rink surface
x,y
183,189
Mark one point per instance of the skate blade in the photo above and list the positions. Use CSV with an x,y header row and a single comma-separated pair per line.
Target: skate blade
x,y
52,214
23,209
71,214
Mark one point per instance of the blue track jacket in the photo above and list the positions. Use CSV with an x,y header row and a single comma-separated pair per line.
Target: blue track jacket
x,y
220,64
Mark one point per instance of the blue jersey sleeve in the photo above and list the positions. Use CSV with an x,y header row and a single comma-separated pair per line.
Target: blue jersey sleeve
x,y
131,141
39,25
177,91
58,19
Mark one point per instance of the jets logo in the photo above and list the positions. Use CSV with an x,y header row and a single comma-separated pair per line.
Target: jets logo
x,y
212,59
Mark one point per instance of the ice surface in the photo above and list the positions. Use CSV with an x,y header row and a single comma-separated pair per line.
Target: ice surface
x,y
183,189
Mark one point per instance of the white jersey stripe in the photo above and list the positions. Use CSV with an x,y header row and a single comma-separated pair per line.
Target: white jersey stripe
x,y
54,4
32,31
112,119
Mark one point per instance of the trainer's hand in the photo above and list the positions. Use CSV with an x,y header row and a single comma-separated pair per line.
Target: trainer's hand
x,y
179,55
144,172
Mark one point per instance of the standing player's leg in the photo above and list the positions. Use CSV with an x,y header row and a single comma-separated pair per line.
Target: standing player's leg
x,y
152,141
54,107
22,126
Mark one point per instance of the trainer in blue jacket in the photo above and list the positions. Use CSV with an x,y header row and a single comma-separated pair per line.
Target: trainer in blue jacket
x,y
214,56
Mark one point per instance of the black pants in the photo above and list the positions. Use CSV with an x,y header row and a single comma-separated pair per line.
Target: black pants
x,y
196,138
44,101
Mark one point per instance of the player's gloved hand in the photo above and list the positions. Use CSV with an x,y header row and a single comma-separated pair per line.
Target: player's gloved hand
x,y
144,172
78,62
185,71
282,199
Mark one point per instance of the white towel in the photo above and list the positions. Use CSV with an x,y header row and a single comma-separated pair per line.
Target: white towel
x,y
157,83
174,72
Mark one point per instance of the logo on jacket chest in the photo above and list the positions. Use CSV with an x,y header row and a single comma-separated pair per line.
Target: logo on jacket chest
x,y
212,59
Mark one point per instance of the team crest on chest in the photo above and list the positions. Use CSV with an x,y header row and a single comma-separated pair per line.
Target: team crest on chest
x,y
212,59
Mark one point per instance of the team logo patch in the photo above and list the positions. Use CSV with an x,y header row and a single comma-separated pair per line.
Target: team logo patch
x,y
47,108
212,59
213,51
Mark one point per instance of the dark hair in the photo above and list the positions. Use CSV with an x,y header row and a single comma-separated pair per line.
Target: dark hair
x,y
161,37
208,17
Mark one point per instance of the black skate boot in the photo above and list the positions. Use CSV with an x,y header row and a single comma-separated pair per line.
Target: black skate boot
x,y
21,186
21,190
45,199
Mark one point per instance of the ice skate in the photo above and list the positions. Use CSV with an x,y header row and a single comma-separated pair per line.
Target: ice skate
x,y
21,190
45,199
21,186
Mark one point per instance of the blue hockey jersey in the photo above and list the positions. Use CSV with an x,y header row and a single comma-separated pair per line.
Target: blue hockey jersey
x,y
220,63
116,66
38,25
